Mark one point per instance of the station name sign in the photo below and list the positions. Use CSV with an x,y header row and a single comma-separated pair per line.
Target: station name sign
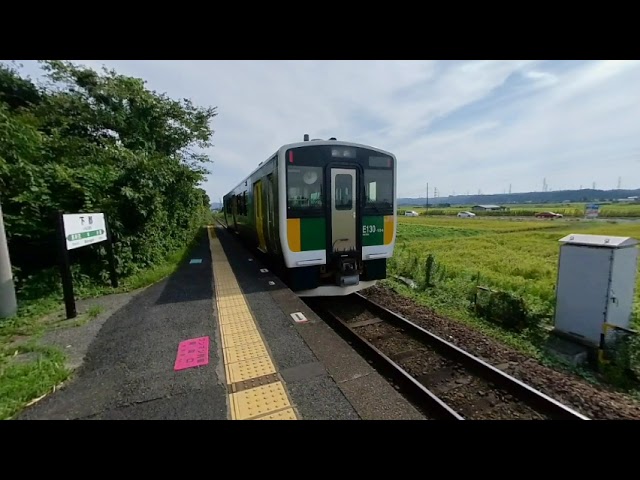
x,y
82,229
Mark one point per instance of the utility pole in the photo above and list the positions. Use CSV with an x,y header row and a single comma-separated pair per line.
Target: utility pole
x,y
8,302
427,205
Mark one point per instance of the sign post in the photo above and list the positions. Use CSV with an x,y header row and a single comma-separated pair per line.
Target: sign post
x,y
65,270
112,260
77,230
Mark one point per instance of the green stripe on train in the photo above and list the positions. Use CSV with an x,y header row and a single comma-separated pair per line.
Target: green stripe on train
x,y
372,231
313,234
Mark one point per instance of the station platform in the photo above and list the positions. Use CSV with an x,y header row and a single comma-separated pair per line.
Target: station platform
x,y
216,340
281,361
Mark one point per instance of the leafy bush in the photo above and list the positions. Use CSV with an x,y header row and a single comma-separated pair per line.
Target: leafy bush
x,y
506,309
622,366
90,142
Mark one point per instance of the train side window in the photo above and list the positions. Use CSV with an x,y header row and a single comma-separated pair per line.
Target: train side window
x,y
378,187
257,200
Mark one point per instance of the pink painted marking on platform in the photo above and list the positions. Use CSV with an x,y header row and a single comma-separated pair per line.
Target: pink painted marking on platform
x,y
192,353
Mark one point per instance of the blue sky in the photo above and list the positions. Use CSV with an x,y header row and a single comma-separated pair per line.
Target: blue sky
x,y
461,126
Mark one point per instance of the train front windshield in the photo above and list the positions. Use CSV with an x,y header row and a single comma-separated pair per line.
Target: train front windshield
x,y
307,178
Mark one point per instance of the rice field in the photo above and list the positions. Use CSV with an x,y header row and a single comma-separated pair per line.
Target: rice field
x,y
514,255
572,210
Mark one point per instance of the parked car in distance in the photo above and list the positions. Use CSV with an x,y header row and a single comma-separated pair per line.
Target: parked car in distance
x,y
466,214
548,215
410,213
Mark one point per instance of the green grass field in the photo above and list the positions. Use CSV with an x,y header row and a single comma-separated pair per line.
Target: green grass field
x,y
574,210
514,255
519,256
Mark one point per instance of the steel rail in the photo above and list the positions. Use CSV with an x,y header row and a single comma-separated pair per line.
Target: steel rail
x,y
535,398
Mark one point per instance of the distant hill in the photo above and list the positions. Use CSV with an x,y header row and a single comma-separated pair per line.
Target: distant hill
x,y
584,195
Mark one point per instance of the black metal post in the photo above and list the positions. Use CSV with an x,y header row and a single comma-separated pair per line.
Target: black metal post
x,y
112,258
65,271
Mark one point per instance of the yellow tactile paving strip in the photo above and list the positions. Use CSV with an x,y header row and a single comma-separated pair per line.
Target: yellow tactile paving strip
x,y
245,355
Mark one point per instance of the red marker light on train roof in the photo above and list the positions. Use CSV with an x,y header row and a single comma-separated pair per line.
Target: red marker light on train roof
x,y
290,156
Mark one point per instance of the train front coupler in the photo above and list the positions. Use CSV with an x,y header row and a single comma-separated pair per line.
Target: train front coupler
x,y
347,273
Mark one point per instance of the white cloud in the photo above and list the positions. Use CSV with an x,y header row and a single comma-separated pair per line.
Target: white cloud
x,y
542,78
460,125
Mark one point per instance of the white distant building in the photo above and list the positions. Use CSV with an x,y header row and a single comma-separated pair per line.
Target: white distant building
x,y
488,208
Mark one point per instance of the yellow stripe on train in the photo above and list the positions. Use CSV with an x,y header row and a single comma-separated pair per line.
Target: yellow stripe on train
x,y
293,234
389,226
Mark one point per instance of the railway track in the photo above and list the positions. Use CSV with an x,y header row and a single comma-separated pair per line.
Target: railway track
x,y
446,381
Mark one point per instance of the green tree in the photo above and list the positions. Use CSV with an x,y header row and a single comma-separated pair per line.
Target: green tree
x,y
89,141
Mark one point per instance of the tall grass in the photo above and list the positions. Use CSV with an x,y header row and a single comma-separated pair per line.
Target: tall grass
x,y
449,257
518,257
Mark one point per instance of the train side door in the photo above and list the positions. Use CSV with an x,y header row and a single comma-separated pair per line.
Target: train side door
x,y
260,215
270,214
343,210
